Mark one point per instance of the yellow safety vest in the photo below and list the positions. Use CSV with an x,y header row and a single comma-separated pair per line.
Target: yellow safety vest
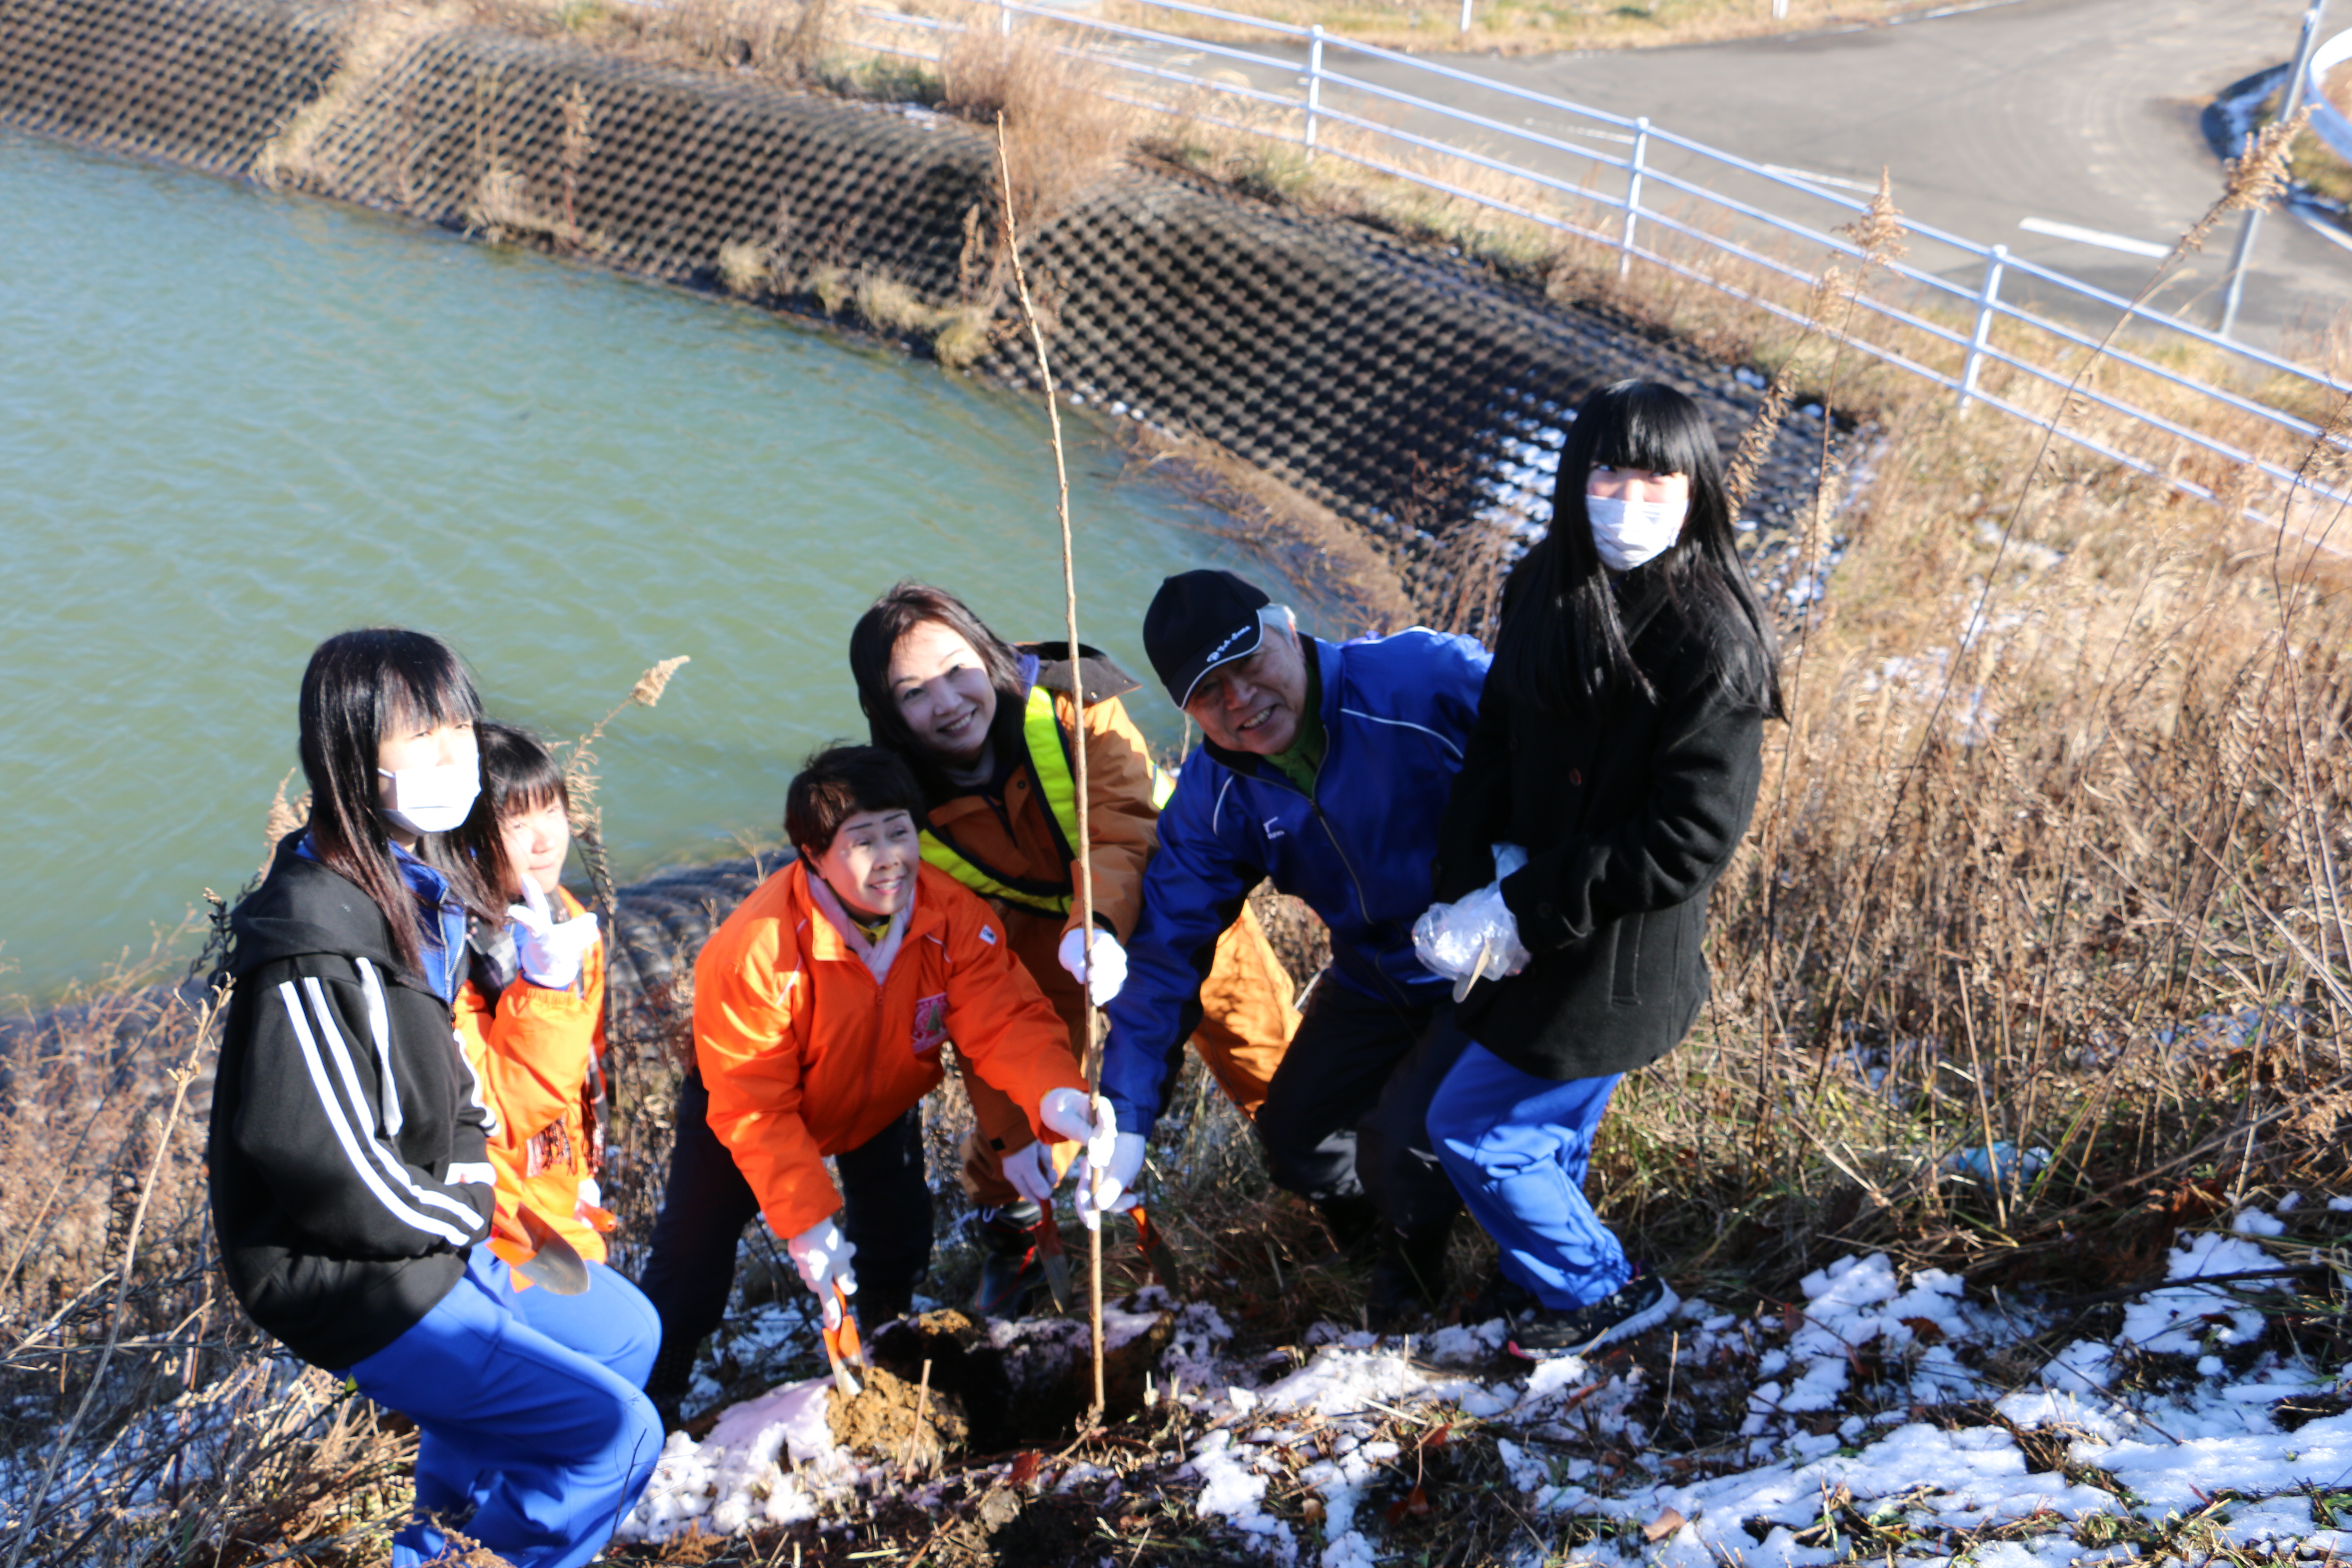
x,y
1058,785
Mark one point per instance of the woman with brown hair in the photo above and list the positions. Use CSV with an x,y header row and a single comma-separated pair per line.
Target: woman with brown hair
x,y
990,730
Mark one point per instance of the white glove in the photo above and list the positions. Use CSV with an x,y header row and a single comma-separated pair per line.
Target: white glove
x,y
1109,962
1478,937
549,954
477,1173
822,1254
1067,1112
1112,1189
1030,1172
591,1196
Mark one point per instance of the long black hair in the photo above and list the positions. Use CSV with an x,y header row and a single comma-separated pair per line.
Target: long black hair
x,y
907,606
518,774
358,687
1562,647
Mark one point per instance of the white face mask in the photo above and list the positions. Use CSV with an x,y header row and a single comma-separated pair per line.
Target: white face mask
x,y
1628,532
432,800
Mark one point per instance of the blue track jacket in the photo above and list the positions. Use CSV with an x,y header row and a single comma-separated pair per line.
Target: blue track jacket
x,y
1397,713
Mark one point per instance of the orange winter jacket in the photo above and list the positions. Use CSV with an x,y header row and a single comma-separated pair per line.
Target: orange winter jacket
x,y
805,1054
535,1052
1122,821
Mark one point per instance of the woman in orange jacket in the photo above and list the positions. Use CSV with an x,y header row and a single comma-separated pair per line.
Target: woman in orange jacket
x,y
988,730
820,1008
530,1018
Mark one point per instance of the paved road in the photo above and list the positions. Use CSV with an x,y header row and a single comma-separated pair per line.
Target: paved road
x,y
2080,112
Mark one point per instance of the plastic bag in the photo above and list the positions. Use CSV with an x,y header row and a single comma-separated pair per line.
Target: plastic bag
x,y
1478,937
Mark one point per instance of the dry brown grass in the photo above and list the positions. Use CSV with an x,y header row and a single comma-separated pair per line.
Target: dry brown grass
x,y
2050,853
1061,132
130,1381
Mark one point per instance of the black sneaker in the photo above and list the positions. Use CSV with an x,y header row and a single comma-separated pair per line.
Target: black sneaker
x,y
1010,1277
1642,1302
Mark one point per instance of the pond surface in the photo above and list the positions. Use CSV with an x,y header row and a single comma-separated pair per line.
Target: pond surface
x,y
233,423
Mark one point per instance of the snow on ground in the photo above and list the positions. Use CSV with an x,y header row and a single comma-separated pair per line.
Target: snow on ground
x,y
1860,1422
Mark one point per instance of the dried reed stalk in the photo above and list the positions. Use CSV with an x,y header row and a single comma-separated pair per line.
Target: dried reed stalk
x,y
1084,863
587,822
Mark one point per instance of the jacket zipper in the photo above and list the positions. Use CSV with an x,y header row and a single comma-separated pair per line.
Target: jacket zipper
x,y
1363,905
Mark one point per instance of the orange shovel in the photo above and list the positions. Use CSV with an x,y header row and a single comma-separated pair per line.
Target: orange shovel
x,y
1157,1253
545,1258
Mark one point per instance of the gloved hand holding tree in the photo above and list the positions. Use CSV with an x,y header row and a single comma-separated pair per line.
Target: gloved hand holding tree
x,y
1068,1112
1100,965
1108,1186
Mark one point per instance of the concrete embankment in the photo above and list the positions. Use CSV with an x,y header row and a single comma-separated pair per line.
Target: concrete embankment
x,y
1395,383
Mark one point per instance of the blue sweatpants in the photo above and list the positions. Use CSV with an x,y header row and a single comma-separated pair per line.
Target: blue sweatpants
x,y
610,1322
541,1449
1516,1146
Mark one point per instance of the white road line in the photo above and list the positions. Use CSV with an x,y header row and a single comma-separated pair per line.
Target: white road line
x,y
1573,130
1812,179
2093,237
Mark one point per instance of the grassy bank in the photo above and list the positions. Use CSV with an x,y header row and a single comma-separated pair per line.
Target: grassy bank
x,y
2050,857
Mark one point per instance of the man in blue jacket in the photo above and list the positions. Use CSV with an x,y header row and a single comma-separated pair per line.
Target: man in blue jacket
x,y
1326,768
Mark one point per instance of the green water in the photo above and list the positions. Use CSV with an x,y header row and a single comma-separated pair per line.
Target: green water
x,y
233,423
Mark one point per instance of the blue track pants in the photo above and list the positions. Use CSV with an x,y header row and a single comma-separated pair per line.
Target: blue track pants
x,y
610,1322
527,1445
1517,1147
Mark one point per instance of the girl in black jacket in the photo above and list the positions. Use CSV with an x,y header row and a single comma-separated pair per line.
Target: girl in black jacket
x,y
349,1180
1618,742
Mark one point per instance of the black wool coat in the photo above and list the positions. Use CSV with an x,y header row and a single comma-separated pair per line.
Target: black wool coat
x,y
1628,816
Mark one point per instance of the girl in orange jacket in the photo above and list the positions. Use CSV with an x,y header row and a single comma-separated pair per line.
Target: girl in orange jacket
x,y
821,1006
531,1017
988,730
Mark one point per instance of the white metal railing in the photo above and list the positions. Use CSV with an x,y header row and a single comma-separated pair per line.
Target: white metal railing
x,y
1619,190
2334,126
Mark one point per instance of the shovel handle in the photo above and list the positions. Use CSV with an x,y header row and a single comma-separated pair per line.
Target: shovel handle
x,y
852,1349
842,1346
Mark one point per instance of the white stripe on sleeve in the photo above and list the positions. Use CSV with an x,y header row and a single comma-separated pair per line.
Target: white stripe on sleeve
x,y
369,1177
333,1035
379,1026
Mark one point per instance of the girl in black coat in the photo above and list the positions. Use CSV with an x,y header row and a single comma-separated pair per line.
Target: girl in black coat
x,y
350,1183
1619,742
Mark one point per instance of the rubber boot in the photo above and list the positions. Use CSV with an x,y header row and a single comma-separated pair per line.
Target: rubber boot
x,y
1352,1221
1409,1279
669,1383
878,1306
1501,1297
1011,1278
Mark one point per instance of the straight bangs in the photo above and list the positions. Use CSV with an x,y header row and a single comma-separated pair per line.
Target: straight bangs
x,y
518,772
424,688
360,686
1648,425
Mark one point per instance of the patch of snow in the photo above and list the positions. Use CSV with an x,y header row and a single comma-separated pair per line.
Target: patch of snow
x,y
2175,1318
738,1475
